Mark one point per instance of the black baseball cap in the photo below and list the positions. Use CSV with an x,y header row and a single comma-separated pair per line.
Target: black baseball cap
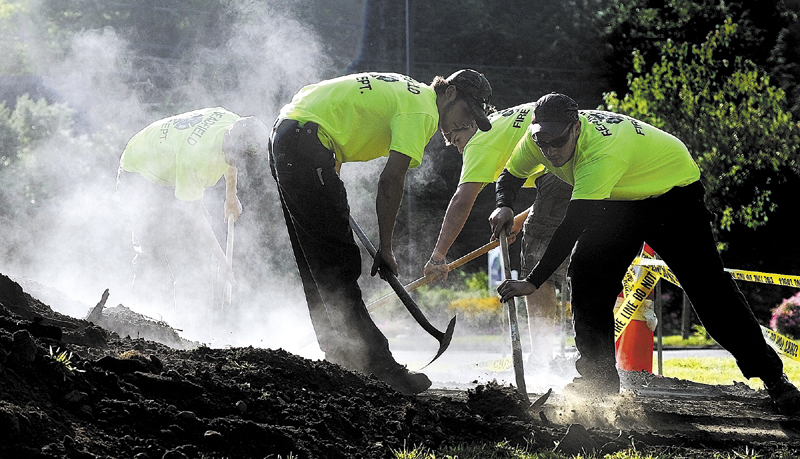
x,y
552,113
477,91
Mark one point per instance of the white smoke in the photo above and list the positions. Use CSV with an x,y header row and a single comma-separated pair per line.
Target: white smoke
x,y
80,243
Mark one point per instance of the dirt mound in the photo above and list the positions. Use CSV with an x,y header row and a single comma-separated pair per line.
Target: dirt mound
x,y
69,388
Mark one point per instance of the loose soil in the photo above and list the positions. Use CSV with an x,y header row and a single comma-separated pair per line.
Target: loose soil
x,y
113,396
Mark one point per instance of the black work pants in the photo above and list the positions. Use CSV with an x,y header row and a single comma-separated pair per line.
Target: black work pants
x,y
677,226
316,211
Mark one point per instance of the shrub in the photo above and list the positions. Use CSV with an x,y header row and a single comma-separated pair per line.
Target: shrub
x,y
786,317
482,313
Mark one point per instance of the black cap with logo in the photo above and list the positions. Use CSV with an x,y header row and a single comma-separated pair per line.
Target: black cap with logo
x,y
477,91
552,113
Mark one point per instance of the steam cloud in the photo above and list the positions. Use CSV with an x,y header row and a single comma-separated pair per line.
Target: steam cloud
x,y
79,242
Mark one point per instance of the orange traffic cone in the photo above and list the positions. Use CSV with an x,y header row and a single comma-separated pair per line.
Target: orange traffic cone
x,y
634,347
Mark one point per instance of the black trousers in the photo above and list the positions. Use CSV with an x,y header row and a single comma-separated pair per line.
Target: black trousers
x,y
316,211
677,225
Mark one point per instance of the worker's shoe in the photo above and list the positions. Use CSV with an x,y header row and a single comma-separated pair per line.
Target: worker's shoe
x,y
403,381
592,388
784,395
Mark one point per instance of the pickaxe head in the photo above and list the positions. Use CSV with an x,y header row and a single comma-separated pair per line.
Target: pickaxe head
x,y
444,340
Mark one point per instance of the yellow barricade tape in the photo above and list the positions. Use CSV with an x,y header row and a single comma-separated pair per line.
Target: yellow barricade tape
x,y
634,300
496,366
653,271
781,343
738,274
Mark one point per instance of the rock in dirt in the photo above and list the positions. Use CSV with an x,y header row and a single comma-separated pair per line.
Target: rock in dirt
x,y
576,441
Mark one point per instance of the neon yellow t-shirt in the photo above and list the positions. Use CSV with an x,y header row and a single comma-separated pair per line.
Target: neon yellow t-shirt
x,y
616,158
184,151
486,153
363,116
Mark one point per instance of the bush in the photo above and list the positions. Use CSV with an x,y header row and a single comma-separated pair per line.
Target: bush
x,y
477,307
481,313
786,317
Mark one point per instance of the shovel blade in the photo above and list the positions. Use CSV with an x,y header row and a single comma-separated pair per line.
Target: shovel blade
x,y
444,340
541,400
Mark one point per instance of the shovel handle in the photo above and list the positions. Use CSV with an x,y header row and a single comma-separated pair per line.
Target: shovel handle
x,y
227,293
516,348
229,242
410,287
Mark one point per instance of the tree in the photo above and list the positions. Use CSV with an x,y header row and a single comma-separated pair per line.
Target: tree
x,y
730,117
768,31
736,126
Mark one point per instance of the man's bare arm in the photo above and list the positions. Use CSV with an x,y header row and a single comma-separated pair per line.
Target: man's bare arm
x,y
391,185
455,217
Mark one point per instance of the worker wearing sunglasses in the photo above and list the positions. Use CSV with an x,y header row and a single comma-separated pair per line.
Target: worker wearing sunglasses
x,y
632,184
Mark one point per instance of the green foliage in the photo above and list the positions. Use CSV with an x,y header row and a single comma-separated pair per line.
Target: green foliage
x,y
22,132
9,137
701,332
729,116
471,299
156,28
64,358
478,281
8,9
694,340
37,120
502,450
767,32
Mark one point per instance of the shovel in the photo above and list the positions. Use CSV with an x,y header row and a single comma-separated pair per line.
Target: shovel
x,y
516,348
443,338
226,294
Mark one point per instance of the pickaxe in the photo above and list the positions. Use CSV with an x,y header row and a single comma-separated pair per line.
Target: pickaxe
x,y
443,338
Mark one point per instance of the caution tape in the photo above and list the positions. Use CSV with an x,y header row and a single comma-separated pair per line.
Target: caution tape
x,y
635,293
634,300
500,365
782,344
738,274
765,278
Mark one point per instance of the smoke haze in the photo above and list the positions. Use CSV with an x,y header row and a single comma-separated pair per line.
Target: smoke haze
x,y
78,240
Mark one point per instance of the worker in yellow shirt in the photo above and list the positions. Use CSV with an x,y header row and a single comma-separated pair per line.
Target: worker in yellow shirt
x,y
163,174
355,118
484,155
632,183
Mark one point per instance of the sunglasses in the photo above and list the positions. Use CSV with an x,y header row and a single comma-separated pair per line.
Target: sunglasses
x,y
558,142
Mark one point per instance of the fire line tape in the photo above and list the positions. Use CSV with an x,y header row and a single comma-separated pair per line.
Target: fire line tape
x,y
635,293
781,343
654,270
634,300
497,366
738,274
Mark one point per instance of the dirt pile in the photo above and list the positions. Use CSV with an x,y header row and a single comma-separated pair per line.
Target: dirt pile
x,y
69,388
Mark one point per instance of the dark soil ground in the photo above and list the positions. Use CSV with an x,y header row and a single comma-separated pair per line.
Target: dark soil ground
x,y
116,397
